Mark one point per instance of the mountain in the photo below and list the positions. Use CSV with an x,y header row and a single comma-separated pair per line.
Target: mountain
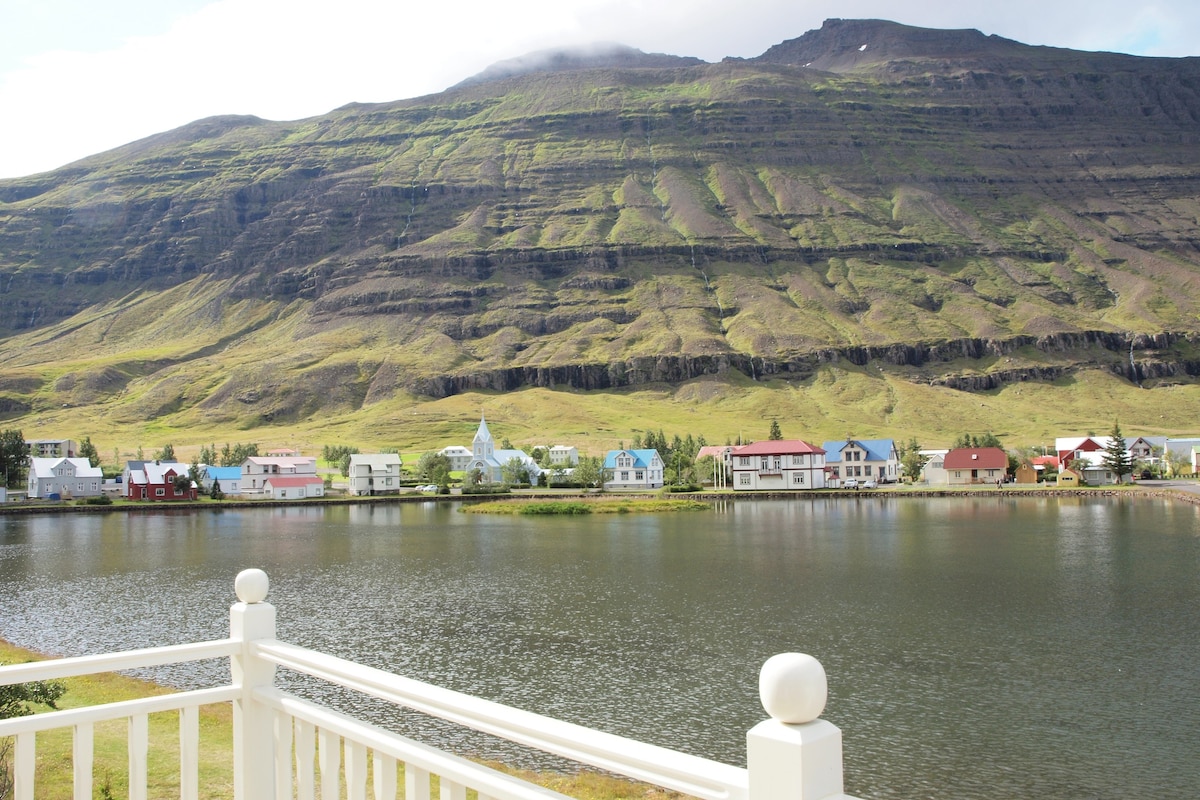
x,y
953,209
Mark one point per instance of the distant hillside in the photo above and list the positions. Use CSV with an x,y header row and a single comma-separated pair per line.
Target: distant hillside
x,y
960,210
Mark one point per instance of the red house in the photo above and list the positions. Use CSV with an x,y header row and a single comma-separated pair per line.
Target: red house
x,y
968,465
158,480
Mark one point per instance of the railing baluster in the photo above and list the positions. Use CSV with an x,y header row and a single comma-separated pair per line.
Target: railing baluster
x,y
416,783
384,767
356,771
24,766
139,748
189,754
283,756
329,756
453,791
306,756
82,751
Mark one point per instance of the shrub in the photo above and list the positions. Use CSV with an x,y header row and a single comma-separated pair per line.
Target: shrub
x,y
99,500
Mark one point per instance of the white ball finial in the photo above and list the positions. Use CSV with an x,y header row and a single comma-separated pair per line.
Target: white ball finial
x,y
251,586
793,688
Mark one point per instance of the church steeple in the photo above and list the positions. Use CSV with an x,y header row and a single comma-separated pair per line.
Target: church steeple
x,y
483,446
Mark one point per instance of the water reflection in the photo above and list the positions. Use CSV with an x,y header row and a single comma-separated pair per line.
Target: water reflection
x,y
983,648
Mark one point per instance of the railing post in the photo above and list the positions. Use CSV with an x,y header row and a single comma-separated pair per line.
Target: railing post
x,y
253,731
794,755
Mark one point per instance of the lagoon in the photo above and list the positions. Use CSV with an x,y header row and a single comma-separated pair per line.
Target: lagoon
x,y
986,647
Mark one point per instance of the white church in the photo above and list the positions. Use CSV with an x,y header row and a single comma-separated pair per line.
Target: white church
x,y
489,461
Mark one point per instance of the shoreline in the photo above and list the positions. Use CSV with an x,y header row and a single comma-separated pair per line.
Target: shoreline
x,y
1148,492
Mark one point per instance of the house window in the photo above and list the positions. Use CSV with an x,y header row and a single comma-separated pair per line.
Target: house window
x,y
744,480
762,463
625,476
777,462
639,476
745,461
798,478
160,492
834,472
797,461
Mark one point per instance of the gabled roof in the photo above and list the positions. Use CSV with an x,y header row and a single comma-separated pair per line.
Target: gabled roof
x,y
282,461
641,458
287,481
777,447
877,449
482,434
976,458
156,472
44,467
380,461
715,450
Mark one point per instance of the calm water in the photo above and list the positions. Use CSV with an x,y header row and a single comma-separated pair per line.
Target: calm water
x,y
990,648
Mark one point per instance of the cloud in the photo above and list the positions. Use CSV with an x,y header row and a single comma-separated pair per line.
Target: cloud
x,y
287,59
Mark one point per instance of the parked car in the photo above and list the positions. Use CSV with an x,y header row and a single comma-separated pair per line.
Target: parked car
x,y
850,483
870,483
427,487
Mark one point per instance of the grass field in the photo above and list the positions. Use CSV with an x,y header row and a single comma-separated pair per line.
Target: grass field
x,y
837,402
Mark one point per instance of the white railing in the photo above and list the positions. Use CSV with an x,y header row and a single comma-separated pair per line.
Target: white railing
x,y
288,747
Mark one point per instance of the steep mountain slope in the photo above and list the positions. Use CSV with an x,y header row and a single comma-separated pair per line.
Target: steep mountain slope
x,y
921,198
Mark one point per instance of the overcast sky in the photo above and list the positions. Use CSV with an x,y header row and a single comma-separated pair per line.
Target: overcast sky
x,y
78,77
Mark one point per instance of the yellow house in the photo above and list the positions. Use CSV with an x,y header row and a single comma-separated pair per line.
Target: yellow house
x,y
1069,477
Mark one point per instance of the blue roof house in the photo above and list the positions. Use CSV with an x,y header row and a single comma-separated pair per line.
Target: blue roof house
x,y
230,479
633,469
862,459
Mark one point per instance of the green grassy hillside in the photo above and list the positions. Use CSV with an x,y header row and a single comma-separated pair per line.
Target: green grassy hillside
x,y
890,240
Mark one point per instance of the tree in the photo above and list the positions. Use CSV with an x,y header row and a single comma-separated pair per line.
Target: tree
x,y
1175,463
1116,458
514,471
14,458
238,454
911,460
16,700
166,454
433,467
88,450
215,493
339,455
775,435
589,472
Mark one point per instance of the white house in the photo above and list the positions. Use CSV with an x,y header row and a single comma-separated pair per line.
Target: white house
x,y
490,462
53,448
562,455
374,473
778,464
934,470
293,487
459,457
863,459
633,469
256,470
66,477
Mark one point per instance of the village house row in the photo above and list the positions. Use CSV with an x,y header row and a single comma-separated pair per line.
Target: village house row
x,y
56,471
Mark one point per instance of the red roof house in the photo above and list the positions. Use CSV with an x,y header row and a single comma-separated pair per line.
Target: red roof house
x,y
969,465
778,464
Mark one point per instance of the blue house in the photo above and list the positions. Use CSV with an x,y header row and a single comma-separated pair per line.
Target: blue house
x,y
230,479
633,469
862,459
